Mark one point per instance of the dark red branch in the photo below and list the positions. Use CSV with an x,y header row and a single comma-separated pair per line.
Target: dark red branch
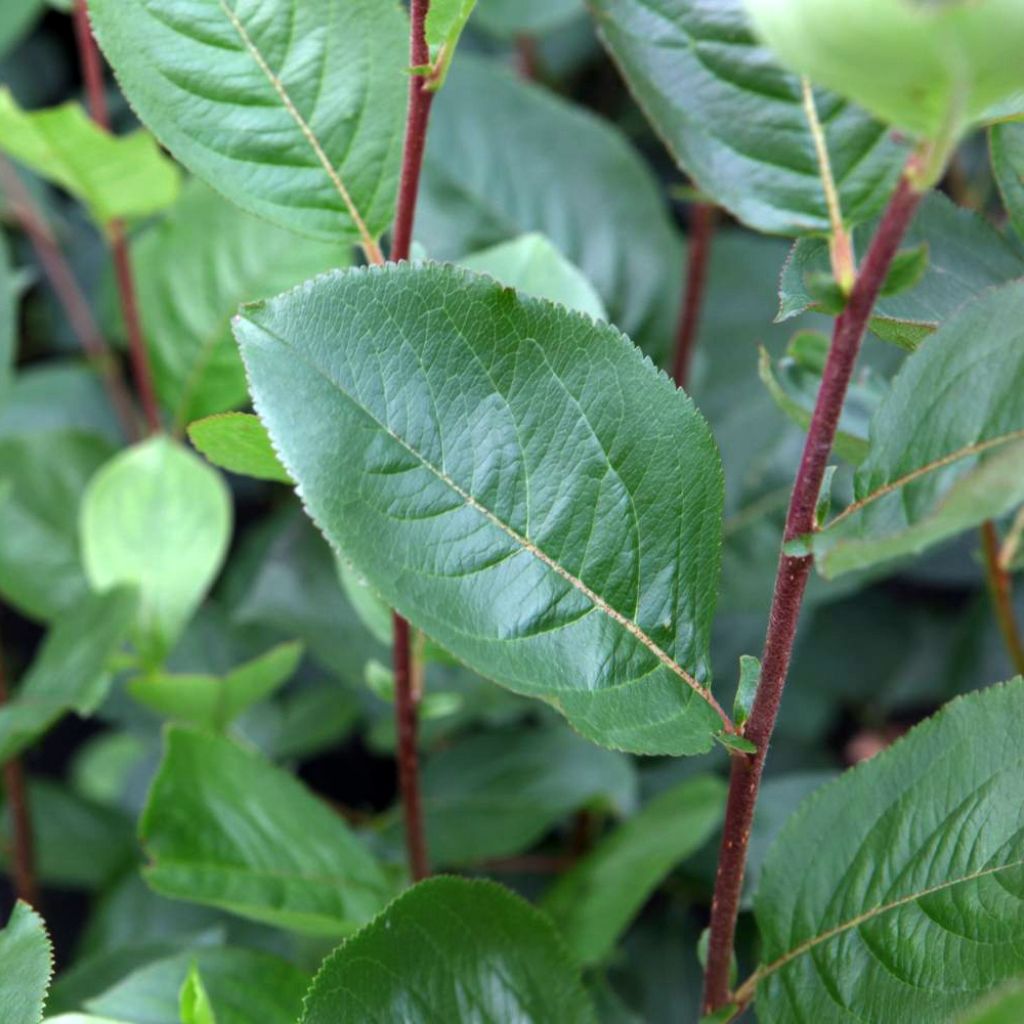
x,y
1001,589
92,73
790,583
702,230
23,873
407,692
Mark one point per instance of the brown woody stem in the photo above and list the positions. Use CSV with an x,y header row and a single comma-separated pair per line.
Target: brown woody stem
x,y
790,583
1000,586
92,73
702,230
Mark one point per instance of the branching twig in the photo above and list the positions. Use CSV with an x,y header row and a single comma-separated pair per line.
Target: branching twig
x,y
790,583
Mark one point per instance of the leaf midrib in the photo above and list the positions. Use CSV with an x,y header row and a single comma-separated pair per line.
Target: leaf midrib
x,y
524,543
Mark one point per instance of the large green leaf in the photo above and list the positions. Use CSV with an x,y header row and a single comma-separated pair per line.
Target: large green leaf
x,y
494,795
569,176
27,959
735,121
1007,146
193,271
895,892
159,518
225,828
70,673
966,257
946,444
292,111
574,555
508,18
40,562
244,986
115,177
593,903
451,950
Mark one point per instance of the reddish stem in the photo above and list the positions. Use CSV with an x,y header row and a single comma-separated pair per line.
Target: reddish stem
x,y
407,695
23,875
526,58
92,73
1000,587
702,230
70,296
789,589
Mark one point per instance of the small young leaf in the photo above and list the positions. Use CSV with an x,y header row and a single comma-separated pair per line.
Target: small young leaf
x,y
158,518
903,866
27,958
703,944
307,135
443,947
215,701
825,291
225,828
531,264
239,443
824,504
746,691
195,1006
908,269
593,543
115,177
736,743
593,903
70,673
445,21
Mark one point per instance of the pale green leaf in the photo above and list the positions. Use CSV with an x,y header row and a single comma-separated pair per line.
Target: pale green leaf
x,y
1004,1007
1006,142
445,21
116,178
593,903
239,443
193,271
159,518
451,950
531,264
570,176
27,959
71,671
195,1001
734,119
225,828
40,559
292,111
946,443
581,566
895,892
216,701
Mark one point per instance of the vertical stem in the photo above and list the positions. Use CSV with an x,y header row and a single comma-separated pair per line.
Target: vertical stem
x,y
526,58
407,692
702,230
23,873
92,72
70,296
1000,587
790,583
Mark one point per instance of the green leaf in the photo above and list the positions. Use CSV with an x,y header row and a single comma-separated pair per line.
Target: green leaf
x,y
737,744
239,443
593,902
9,293
495,795
966,257
735,121
16,18
115,177
531,264
445,21
195,1002
225,828
904,866
570,176
509,18
931,67
216,701
746,691
907,269
193,270
1006,142
582,566
70,673
243,987
27,958
292,112
446,949
159,518
946,443
1006,1006
40,559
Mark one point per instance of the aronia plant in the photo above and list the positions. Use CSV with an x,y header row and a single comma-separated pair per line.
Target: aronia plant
x,y
374,276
